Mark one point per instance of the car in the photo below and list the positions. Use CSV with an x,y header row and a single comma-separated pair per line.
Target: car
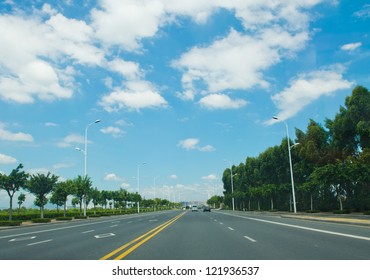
x,y
206,208
194,208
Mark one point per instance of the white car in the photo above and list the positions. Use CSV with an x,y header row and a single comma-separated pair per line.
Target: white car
x,y
194,208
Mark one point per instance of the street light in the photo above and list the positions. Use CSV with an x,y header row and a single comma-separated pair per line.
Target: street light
x,y
290,163
138,185
85,154
232,184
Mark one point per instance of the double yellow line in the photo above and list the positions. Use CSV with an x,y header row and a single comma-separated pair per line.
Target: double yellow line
x,y
137,242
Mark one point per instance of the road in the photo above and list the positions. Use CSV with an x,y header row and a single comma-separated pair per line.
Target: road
x,y
186,235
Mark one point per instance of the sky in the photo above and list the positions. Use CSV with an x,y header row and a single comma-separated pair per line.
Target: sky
x,y
183,89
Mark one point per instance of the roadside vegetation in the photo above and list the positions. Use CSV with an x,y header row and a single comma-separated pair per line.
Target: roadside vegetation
x,y
48,189
331,166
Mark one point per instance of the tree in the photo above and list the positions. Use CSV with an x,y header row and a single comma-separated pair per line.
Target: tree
x,y
61,193
21,200
215,201
96,198
11,184
82,187
41,185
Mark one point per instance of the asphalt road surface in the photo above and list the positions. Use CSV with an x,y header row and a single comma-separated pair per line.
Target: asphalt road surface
x,y
186,235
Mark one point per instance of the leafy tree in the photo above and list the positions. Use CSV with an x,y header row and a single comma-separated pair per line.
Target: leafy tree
x,y
82,186
21,200
96,197
215,201
41,185
12,183
61,193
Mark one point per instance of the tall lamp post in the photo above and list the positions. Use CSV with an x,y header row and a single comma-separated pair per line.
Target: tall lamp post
x,y
85,154
138,185
290,164
232,184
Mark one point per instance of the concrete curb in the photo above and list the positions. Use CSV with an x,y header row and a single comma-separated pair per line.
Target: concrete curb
x,y
340,220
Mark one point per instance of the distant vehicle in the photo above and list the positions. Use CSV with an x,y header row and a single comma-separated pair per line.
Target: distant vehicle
x,y
194,208
206,208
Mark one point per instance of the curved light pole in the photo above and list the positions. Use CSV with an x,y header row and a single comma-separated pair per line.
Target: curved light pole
x,y
138,185
232,183
85,154
290,163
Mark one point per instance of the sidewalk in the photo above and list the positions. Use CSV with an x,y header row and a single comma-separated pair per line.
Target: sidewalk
x,y
353,219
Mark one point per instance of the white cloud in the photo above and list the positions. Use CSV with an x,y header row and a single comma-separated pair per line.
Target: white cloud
x,y
127,69
112,130
206,148
137,95
236,61
351,47
364,12
221,101
124,23
70,140
192,144
33,51
50,124
11,136
112,177
307,88
173,176
210,177
188,144
4,159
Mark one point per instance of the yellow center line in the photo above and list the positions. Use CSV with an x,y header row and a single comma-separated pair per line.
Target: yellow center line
x,y
156,230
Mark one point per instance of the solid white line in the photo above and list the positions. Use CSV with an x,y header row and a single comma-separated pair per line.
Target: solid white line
x,y
31,244
230,228
88,231
250,239
304,228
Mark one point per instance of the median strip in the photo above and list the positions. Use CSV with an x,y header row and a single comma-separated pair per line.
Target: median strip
x,y
137,242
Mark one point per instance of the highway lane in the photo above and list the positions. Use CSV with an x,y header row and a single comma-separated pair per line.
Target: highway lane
x,y
185,235
80,240
223,235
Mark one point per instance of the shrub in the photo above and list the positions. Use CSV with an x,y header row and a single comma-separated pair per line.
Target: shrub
x,y
63,218
41,220
94,216
312,211
341,212
367,213
80,217
10,223
105,214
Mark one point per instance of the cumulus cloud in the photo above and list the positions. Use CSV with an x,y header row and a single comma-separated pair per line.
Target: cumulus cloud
x,y
136,96
5,159
173,176
307,88
112,130
236,61
221,101
112,177
351,47
70,140
34,51
138,19
11,136
210,177
193,144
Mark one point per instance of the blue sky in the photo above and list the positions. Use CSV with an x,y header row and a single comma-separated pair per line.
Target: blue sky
x,y
184,86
